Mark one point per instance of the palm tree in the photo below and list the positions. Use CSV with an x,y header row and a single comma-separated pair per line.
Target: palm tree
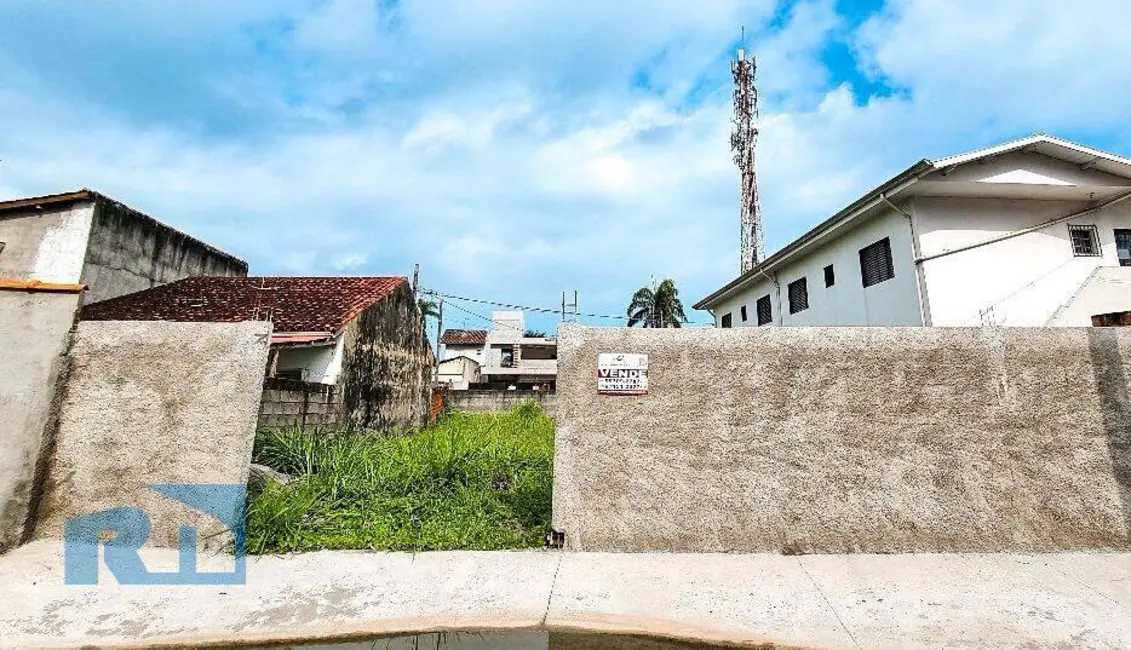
x,y
659,306
428,309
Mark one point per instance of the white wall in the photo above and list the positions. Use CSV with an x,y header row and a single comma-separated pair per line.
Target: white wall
x,y
1107,290
1022,281
473,351
49,245
893,303
320,365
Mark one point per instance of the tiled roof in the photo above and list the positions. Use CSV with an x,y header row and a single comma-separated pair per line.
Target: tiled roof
x,y
295,304
464,337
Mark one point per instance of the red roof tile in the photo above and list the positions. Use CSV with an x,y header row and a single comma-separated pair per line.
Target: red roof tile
x,y
464,337
295,304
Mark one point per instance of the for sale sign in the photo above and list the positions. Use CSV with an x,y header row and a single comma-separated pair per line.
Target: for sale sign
x,y
622,374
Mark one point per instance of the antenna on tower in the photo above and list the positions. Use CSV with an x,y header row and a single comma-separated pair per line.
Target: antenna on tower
x,y
743,142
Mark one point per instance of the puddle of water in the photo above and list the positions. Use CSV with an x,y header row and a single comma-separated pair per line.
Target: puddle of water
x,y
516,640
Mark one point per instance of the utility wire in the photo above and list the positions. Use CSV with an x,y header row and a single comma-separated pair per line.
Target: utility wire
x,y
544,310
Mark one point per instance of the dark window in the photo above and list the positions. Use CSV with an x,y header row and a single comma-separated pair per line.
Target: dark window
x,y
875,263
765,311
1085,241
726,320
1122,246
743,312
290,373
830,276
798,296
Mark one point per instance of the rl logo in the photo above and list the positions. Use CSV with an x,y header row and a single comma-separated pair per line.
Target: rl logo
x,y
123,531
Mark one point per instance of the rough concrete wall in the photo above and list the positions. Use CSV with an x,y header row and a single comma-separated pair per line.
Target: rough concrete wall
x,y
289,403
131,252
154,402
493,401
46,245
34,332
832,440
387,369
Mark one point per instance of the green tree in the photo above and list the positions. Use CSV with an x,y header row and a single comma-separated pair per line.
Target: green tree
x,y
428,309
534,334
658,306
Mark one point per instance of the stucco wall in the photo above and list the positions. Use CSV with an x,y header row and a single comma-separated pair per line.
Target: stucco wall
x,y
131,252
387,366
34,331
289,403
150,403
1107,290
847,302
836,440
46,245
1021,281
494,401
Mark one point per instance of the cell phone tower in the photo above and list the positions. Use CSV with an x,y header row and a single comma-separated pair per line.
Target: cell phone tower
x,y
743,142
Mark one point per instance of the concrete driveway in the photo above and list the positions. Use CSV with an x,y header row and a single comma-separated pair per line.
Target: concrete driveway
x,y
1067,600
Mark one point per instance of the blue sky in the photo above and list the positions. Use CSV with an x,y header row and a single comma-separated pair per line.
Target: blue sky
x,y
519,148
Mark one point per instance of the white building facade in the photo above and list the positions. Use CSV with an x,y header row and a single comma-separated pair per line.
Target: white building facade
x,y
1030,233
507,358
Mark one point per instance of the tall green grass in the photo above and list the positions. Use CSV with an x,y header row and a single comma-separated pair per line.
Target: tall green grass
x,y
471,481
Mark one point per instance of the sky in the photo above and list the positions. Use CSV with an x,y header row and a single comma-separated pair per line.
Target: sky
x,y
517,149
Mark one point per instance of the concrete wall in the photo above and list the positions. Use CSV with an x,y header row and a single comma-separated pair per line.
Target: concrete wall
x,y
387,367
847,302
34,333
130,252
154,402
288,403
833,440
493,401
46,245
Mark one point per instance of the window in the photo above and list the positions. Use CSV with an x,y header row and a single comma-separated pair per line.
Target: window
x,y
742,311
765,311
798,296
1085,241
295,374
1122,246
875,263
830,276
726,320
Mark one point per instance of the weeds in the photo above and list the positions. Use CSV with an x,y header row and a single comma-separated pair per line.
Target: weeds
x,y
471,481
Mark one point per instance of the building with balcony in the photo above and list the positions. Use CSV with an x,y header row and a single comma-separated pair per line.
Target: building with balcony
x,y
507,358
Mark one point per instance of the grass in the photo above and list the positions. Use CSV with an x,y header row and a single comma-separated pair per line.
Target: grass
x,y
470,481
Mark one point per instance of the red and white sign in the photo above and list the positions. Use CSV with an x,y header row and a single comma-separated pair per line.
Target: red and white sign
x,y
622,374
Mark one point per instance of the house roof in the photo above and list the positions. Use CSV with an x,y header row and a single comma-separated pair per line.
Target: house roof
x,y
1047,145
293,304
90,196
464,337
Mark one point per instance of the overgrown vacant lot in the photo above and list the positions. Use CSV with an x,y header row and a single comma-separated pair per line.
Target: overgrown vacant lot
x,y
471,481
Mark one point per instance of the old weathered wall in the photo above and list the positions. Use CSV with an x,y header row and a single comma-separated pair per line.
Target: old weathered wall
x,y
836,440
291,403
130,252
46,244
493,401
151,403
387,369
34,332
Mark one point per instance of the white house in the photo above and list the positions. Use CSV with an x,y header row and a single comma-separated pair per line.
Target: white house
x,y
505,355
1031,232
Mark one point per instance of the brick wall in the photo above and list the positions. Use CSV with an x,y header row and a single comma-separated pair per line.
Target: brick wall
x,y
288,403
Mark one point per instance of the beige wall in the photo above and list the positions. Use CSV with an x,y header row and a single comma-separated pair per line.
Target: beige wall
x,y
836,440
34,331
154,402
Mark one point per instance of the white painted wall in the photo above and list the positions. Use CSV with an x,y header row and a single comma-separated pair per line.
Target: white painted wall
x,y
894,302
49,245
320,365
473,351
1022,281
1107,290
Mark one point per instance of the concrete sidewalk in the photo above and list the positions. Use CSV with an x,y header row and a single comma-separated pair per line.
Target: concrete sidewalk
x,y
1069,600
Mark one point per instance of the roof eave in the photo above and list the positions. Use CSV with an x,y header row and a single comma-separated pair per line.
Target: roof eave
x,y
888,189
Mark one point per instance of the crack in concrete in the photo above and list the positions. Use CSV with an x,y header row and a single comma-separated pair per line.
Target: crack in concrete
x,y
832,609
553,584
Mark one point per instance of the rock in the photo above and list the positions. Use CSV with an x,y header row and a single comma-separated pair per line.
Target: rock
x,y
260,474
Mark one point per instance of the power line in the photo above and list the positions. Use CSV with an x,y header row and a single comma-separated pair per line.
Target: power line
x,y
543,310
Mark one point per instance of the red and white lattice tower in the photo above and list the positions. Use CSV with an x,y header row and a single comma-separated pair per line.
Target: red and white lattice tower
x,y
743,142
